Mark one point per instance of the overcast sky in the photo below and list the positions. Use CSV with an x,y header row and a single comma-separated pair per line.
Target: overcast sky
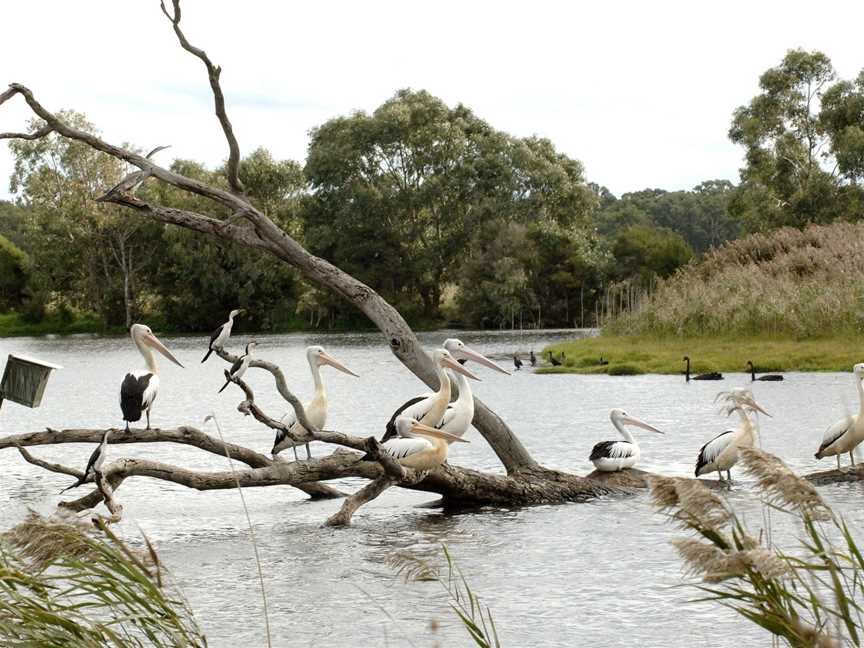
x,y
641,93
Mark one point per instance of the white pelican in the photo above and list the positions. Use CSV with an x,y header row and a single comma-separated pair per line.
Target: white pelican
x,y
94,465
848,432
610,456
220,336
240,365
139,387
433,408
419,446
721,452
316,409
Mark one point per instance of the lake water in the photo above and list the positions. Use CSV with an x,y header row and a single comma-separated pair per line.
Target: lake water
x,y
601,573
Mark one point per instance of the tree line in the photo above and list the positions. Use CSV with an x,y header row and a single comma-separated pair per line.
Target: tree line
x,y
448,218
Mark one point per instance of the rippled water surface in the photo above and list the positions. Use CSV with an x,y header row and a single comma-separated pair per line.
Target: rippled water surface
x,y
601,573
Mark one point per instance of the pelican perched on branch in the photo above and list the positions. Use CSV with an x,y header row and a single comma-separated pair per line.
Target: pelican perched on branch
x,y
418,446
94,465
610,456
220,336
240,366
140,387
431,409
848,432
721,452
316,409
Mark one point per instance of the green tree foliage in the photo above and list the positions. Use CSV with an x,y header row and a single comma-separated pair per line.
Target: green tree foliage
x,y
644,252
14,274
802,139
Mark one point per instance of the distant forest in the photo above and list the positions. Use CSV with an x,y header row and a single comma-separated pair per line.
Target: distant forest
x,y
451,220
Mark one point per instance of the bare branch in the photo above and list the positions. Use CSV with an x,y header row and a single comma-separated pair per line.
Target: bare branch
x,y
366,494
47,465
213,73
111,504
37,134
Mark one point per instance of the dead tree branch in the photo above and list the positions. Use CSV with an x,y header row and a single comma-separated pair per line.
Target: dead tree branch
x,y
47,465
366,494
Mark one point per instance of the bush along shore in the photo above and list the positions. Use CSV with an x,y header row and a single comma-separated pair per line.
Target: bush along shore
x,y
633,355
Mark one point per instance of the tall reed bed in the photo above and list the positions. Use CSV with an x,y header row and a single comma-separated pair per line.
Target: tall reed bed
x,y
797,283
809,596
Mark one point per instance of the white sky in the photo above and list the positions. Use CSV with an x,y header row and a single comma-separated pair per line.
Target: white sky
x,y
641,93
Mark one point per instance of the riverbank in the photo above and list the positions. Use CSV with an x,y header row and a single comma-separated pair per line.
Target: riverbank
x,y
625,355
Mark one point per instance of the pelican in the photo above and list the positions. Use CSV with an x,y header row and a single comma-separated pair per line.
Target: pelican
x,y
419,446
139,387
94,465
766,377
435,409
240,365
713,375
721,452
610,456
316,409
848,432
220,336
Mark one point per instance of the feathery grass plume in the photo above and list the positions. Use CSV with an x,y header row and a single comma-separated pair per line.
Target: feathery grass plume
x,y
781,486
68,584
808,597
475,618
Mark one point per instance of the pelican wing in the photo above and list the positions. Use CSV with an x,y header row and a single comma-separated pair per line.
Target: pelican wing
x,y
410,408
611,450
137,393
710,451
835,431
404,447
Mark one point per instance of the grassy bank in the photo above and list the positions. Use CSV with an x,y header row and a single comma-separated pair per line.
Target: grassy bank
x,y
639,355
12,325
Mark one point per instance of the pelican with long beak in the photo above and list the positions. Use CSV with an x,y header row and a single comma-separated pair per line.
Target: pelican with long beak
x,y
419,446
140,387
435,409
316,409
721,452
845,435
610,456
220,336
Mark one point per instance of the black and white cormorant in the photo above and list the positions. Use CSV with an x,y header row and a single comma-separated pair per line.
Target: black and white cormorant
x,y
94,465
240,365
220,336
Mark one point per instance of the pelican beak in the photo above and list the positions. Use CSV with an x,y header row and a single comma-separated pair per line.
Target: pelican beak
x,y
471,354
333,362
153,341
629,420
458,368
425,430
756,406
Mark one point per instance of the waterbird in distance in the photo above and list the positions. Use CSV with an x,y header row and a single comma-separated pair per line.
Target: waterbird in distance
x,y
532,358
435,409
240,365
94,465
140,387
721,452
418,446
553,360
848,432
517,362
316,409
713,375
765,378
610,456
220,336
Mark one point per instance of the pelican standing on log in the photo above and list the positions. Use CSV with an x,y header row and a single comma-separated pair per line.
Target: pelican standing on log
x,y
431,409
94,465
316,409
848,432
240,366
418,446
220,336
140,387
611,456
721,452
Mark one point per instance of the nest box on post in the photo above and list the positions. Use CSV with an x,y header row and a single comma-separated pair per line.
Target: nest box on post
x,y
24,380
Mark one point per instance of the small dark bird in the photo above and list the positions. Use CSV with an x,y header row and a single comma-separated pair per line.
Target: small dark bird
x,y
554,361
713,375
517,362
94,465
532,358
220,336
766,377
602,361
240,366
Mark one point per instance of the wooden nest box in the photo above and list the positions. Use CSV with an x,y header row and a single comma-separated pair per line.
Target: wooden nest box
x,y
24,380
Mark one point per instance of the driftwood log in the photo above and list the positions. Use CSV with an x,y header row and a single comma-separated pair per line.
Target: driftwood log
x,y
523,480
